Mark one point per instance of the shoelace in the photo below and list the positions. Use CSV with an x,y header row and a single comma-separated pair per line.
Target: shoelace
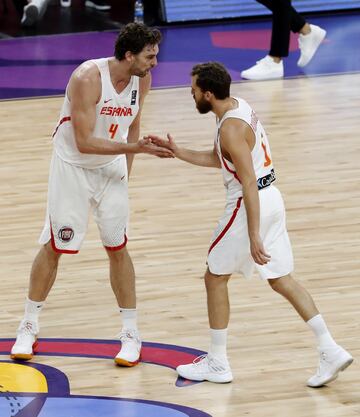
x,y
213,364
127,335
323,357
28,328
263,61
199,360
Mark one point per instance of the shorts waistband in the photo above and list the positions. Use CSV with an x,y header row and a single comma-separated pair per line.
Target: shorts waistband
x,y
265,181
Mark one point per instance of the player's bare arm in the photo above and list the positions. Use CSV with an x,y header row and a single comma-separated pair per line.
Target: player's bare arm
x,y
134,129
200,158
237,140
84,92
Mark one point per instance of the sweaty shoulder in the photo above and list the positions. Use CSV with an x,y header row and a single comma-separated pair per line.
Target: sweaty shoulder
x,y
233,126
85,79
233,130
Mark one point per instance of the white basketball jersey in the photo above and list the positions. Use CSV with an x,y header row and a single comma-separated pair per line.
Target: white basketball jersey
x,y
261,155
114,114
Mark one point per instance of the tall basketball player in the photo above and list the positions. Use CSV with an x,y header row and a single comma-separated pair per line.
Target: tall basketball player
x,y
95,140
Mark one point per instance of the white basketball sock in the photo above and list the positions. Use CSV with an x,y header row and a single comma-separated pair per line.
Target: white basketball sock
x,y
318,326
33,310
129,318
218,340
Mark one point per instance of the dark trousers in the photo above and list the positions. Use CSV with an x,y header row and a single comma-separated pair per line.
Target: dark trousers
x,y
284,19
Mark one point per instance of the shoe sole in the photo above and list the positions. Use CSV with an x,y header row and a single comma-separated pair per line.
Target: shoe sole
x,y
214,380
336,374
275,77
97,7
24,356
123,362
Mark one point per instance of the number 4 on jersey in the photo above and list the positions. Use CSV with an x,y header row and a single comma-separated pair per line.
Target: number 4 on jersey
x,y
113,128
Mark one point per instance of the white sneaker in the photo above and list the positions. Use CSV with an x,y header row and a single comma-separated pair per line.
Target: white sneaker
x,y
33,12
30,15
25,341
309,44
65,3
265,69
206,368
130,352
332,361
100,5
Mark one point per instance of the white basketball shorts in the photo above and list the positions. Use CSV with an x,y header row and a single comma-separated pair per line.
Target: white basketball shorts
x,y
230,246
73,192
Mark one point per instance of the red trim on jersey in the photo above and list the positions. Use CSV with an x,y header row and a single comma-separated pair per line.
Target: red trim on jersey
x,y
230,170
57,250
115,248
227,227
63,120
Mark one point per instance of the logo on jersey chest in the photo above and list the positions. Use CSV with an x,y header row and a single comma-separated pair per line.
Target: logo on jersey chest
x,y
116,111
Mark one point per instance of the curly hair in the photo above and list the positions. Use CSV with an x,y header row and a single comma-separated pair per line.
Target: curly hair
x,y
213,77
134,37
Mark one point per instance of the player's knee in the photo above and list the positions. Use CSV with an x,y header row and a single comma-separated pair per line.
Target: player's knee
x,y
117,255
212,280
279,284
51,253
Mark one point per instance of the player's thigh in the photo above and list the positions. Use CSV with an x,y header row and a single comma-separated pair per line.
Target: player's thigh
x,y
112,214
68,206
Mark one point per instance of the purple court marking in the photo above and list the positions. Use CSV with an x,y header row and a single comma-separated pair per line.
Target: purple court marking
x,y
41,66
153,353
58,402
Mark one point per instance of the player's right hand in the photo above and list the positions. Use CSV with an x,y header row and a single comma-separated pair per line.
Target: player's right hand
x,y
146,145
168,144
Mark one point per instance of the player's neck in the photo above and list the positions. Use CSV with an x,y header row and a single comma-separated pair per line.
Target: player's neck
x,y
220,107
119,74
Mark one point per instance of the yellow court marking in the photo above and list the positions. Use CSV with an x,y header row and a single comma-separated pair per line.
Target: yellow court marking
x,y
15,377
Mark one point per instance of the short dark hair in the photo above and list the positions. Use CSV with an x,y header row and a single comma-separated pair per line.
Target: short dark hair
x,y
134,37
213,77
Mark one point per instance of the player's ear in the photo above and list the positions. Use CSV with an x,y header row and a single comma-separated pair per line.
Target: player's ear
x,y
208,95
129,56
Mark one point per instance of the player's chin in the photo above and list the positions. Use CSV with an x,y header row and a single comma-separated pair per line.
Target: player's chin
x,y
143,74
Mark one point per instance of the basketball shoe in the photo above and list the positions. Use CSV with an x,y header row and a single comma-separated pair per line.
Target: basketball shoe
x,y
309,44
332,361
25,340
206,368
265,69
100,5
130,352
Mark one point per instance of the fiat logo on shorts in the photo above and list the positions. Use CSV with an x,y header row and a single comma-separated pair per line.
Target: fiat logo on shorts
x,y
66,234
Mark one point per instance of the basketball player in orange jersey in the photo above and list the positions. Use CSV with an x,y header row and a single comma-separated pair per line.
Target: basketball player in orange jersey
x,y
252,231
95,141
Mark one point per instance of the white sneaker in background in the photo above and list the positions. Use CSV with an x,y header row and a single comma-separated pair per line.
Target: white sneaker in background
x,y
30,15
65,3
265,69
33,12
309,44
206,368
100,5
332,361
130,352
25,341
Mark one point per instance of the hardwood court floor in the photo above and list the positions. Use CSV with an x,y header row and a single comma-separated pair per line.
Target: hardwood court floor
x,y
313,126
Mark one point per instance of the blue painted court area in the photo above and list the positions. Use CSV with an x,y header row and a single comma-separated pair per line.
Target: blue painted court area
x,y
83,406
41,66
